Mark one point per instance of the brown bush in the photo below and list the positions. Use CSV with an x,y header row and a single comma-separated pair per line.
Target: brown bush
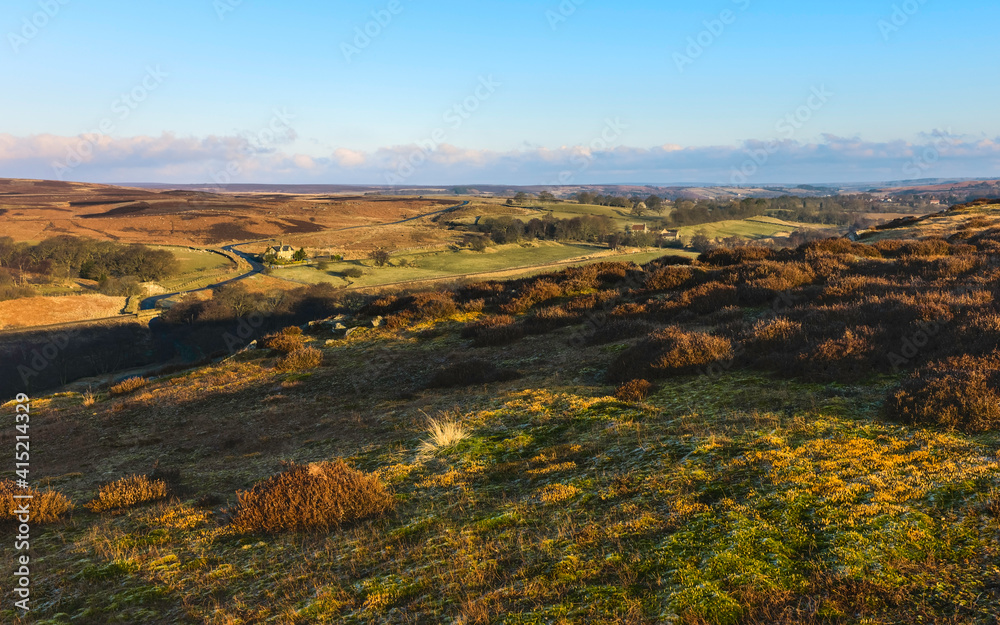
x,y
533,293
434,305
128,386
301,360
474,306
669,278
840,247
894,248
128,492
493,331
958,394
383,306
671,351
311,498
634,391
399,320
709,297
550,318
772,332
46,506
952,266
286,341
721,256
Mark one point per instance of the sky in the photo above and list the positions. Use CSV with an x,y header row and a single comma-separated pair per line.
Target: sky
x,y
407,92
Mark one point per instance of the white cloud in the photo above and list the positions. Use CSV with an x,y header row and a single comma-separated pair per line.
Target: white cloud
x,y
169,158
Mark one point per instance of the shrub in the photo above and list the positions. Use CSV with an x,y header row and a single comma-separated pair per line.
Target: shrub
x,y
959,394
671,351
772,332
474,306
634,391
721,256
669,278
470,372
709,297
533,293
434,305
550,318
46,507
315,497
839,247
301,360
353,272
493,331
285,342
128,386
128,492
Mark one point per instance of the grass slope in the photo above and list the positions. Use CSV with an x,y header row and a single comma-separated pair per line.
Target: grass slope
x,y
720,499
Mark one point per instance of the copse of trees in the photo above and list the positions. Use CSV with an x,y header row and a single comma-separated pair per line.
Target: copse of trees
x,y
589,228
653,203
66,257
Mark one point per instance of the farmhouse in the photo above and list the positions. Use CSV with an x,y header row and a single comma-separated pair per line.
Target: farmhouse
x,y
281,252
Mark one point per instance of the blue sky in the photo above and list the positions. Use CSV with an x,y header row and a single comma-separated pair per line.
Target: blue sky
x,y
266,91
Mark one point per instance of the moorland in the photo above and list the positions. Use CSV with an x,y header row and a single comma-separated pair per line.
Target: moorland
x,y
748,433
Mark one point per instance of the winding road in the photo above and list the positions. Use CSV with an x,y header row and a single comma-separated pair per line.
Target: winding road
x,y
255,267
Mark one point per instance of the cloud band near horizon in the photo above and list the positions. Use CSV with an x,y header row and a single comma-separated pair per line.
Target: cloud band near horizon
x,y
245,159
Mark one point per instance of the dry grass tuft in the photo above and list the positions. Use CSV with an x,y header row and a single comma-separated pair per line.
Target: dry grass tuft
x,y
314,497
46,507
287,341
89,399
128,386
301,360
443,434
128,492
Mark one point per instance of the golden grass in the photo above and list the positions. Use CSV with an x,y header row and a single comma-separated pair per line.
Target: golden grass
x,y
128,386
301,360
443,433
128,492
46,506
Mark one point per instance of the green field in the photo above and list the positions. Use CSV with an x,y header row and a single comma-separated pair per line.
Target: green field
x,y
197,268
752,228
447,263
558,210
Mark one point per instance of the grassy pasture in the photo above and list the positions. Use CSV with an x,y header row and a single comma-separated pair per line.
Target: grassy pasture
x,y
197,268
447,263
752,228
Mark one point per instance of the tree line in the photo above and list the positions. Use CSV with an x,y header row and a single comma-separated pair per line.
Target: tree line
x,y
113,265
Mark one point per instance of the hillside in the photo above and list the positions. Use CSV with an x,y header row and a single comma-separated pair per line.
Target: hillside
x,y
758,436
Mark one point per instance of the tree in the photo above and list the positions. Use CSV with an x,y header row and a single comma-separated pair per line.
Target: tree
x,y
700,242
300,255
546,196
521,196
655,204
639,209
380,257
323,265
